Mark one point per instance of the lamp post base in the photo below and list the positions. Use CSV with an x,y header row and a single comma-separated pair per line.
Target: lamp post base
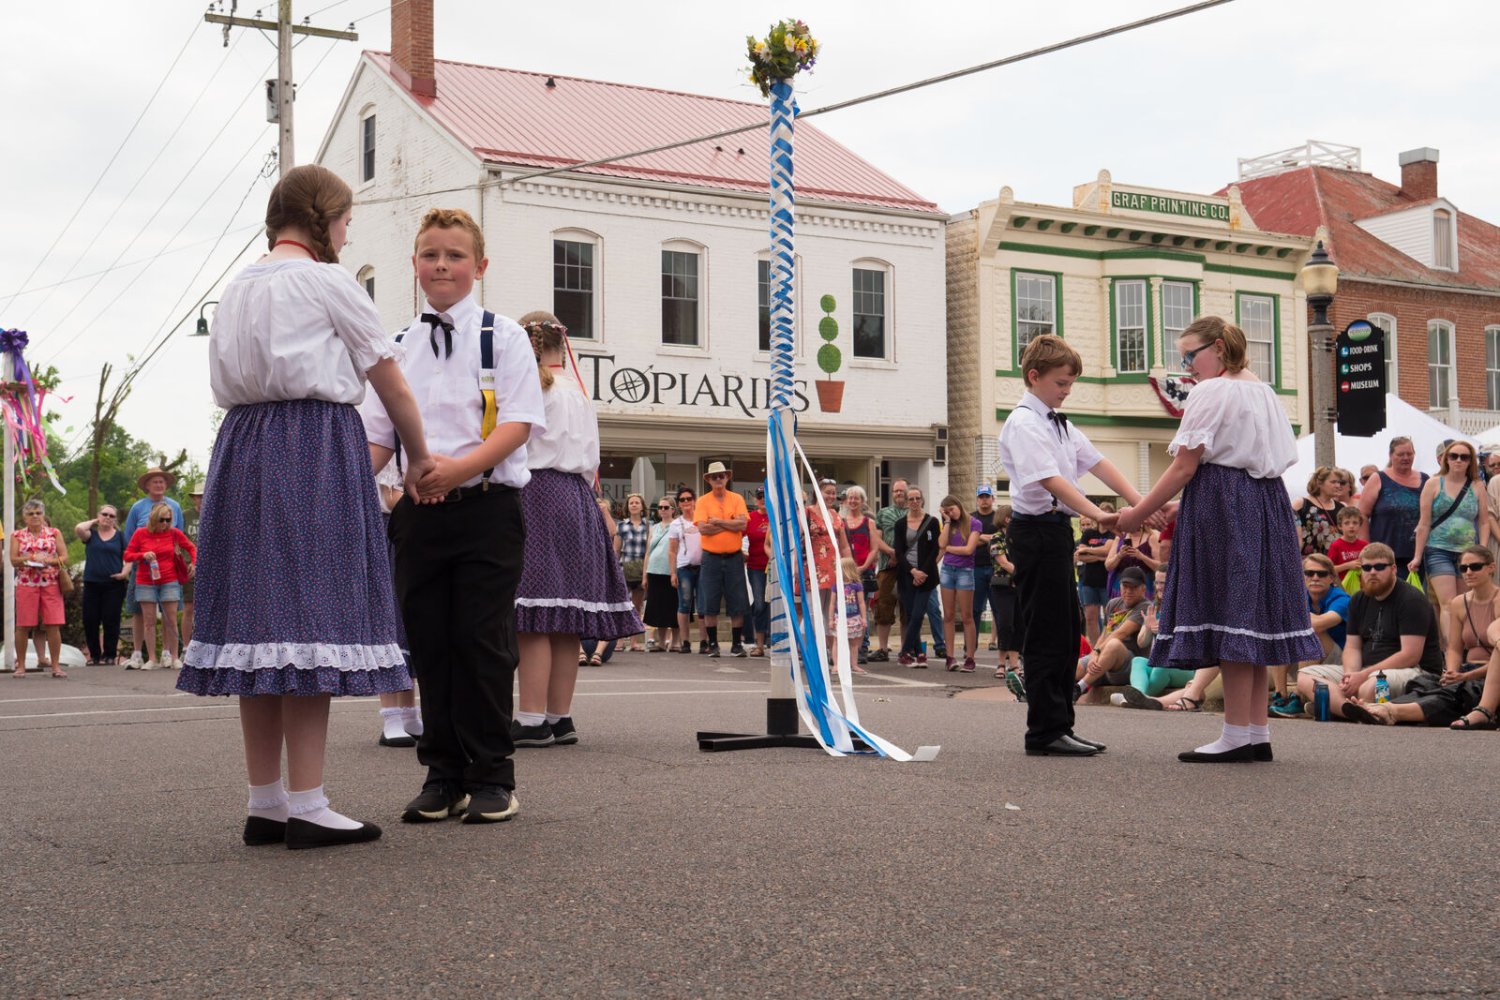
x,y
782,730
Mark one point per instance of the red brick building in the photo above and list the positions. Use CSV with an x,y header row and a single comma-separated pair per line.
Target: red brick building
x,y
1409,260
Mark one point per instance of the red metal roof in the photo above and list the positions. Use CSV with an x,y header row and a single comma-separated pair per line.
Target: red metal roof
x,y
512,117
1298,201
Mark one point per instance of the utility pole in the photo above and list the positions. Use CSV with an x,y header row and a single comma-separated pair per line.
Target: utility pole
x,y
284,29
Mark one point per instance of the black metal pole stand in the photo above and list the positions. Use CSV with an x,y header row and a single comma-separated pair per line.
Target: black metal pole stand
x,y
782,730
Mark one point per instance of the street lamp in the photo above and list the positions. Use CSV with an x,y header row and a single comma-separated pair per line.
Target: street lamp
x,y
1320,279
202,329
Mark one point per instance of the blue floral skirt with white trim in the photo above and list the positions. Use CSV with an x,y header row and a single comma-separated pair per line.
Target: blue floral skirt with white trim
x,y
294,592
1234,589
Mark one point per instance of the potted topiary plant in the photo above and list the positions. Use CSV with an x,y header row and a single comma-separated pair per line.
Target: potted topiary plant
x,y
830,359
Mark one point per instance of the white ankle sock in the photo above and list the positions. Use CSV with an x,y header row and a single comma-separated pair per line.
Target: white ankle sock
x,y
1260,733
531,718
390,721
268,801
312,806
553,718
1232,738
411,720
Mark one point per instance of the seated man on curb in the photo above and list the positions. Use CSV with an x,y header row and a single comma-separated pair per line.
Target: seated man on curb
x,y
1119,644
1442,701
1391,630
1328,604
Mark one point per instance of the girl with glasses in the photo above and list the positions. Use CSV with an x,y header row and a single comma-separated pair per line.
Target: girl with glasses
x,y
103,591
1451,519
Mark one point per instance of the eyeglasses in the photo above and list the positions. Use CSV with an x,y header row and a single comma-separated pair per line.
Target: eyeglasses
x,y
1188,356
686,499
1316,574
1473,567
105,514
1379,567
717,475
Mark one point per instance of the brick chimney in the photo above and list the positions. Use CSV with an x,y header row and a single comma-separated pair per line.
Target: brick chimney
x,y
411,47
1419,173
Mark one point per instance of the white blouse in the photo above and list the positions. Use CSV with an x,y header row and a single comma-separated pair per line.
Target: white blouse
x,y
1240,424
570,440
294,329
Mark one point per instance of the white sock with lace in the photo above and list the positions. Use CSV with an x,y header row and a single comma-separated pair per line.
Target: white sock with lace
x,y
391,723
411,720
1232,738
268,801
1260,733
312,806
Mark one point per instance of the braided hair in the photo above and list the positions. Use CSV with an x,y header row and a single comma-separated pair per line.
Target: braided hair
x,y
309,197
546,334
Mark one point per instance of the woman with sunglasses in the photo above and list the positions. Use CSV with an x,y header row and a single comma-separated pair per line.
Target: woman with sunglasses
x,y
1451,519
157,584
661,598
1234,597
103,592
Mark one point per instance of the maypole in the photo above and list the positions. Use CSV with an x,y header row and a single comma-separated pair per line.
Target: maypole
x,y
800,680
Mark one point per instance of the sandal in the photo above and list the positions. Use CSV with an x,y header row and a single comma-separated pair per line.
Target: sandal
x,y
1184,704
1355,712
19,673
595,661
60,672
1487,722
583,659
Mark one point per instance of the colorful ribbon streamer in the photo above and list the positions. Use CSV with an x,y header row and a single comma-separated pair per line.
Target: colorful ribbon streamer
x,y
21,403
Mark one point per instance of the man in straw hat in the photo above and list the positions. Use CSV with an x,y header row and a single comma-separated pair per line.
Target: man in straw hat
x,y
154,482
721,518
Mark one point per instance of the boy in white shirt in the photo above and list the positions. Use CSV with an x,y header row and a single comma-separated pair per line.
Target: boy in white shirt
x,y
1045,456
458,554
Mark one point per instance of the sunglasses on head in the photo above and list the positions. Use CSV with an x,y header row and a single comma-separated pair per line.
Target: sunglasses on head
x,y
1379,567
1473,567
1316,574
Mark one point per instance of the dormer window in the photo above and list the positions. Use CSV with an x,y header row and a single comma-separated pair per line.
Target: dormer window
x,y
1444,252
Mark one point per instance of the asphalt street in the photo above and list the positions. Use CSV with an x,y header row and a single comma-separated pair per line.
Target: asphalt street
x,y
1361,863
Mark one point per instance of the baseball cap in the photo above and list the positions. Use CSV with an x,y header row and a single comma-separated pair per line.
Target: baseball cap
x,y
1133,574
984,490
760,491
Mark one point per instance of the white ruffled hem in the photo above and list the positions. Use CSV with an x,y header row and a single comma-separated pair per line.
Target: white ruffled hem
x,y
1191,440
250,657
570,602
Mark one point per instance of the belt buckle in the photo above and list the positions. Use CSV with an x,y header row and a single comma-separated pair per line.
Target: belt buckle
x,y
454,495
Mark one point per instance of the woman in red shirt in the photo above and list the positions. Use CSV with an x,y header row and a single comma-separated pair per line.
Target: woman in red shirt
x,y
159,578
757,558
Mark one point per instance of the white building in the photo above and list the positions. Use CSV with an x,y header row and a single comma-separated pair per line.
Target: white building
x,y
658,264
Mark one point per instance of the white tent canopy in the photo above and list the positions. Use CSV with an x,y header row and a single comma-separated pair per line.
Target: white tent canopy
x,y
1401,420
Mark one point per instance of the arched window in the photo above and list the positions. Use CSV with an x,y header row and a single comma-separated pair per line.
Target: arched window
x,y
366,279
367,144
1444,250
576,261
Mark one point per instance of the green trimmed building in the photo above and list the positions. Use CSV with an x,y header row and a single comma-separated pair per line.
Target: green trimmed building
x,y
1119,274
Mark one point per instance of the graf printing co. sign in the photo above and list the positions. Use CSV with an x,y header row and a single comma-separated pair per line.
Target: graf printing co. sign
x,y
656,387
1137,202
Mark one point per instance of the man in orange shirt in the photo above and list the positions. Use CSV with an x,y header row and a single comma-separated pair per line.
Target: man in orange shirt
x,y
721,517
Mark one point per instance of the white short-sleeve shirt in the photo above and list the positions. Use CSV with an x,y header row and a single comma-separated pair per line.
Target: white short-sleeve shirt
x,y
1033,447
294,329
1240,424
570,440
448,394
689,542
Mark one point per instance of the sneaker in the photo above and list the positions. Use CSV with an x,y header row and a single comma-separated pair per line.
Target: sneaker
x,y
864,658
686,647
440,799
1079,692
167,662
994,646
969,665
880,656
921,661
134,663
490,804
905,660
713,651
651,645
564,733
950,664
531,736
703,646
939,650
1015,684
738,650
1289,707
148,665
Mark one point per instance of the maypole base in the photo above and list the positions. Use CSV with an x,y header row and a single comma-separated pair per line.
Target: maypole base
x,y
782,730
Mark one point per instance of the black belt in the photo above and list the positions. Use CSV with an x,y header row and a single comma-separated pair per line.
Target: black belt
x,y
478,489
1052,517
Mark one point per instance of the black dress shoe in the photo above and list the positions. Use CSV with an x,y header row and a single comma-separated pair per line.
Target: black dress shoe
x,y
260,831
1262,752
1239,755
300,835
1088,743
398,741
1063,746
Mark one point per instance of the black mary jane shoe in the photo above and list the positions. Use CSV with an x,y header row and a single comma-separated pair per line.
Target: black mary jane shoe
x,y
300,835
260,831
406,740
1262,753
1063,746
1088,743
1239,755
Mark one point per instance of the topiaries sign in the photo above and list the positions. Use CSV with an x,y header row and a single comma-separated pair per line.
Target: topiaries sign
x,y
830,359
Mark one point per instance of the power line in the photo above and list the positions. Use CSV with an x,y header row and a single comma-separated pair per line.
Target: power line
x,y
105,171
127,264
839,106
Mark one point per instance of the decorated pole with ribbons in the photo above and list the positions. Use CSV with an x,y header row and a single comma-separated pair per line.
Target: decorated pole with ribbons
x,y
800,681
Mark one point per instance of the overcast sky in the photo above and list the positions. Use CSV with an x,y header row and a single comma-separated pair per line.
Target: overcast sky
x,y
1170,106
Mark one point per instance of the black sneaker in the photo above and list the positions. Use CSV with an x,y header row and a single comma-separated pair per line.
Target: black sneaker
x,y
940,651
564,733
531,736
490,804
703,647
738,650
880,656
686,647
440,799
713,651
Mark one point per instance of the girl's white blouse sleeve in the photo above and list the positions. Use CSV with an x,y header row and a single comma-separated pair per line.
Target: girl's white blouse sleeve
x,y
1239,423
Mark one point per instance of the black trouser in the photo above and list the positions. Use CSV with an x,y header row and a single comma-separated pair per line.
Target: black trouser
x,y
457,567
1042,549
101,605
914,605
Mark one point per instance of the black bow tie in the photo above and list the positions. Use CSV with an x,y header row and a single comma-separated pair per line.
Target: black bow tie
x,y
435,321
1061,420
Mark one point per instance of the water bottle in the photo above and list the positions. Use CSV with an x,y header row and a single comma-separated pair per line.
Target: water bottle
x,y
1320,702
155,571
1382,688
